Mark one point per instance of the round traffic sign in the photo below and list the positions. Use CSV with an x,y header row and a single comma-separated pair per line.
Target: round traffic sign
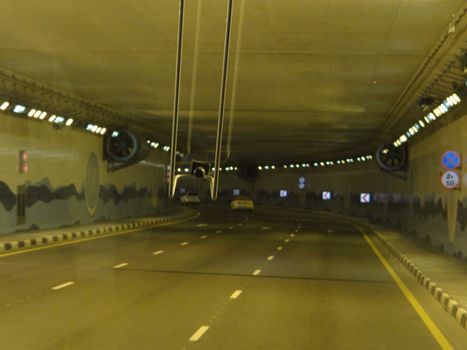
x,y
451,160
450,180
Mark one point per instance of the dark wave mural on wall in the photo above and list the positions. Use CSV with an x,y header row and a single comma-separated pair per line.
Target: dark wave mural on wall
x,y
43,192
7,197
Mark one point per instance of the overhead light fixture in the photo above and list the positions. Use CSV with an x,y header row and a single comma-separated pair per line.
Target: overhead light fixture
x,y
59,119
4,105
103,131
69,122
52,118
19,109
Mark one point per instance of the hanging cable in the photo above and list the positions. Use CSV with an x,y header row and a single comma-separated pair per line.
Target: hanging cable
x,y
194,78
220,120
235,80
176,107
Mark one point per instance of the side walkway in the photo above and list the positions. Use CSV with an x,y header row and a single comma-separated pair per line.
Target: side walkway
x,y
444,276
15,241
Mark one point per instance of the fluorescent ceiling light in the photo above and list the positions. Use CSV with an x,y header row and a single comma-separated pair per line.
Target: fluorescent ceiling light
x,y
19,109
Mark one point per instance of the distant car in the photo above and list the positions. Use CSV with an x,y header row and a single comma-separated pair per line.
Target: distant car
x,y
242,203
190,198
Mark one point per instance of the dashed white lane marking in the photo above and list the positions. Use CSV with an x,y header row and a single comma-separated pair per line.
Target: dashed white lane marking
x,y
280,248
199,333
231,227
264,228
202,225
296,231
270,257
287,240
292,235
236,294
218,231
158,252
120,265
256,272
240,224
204,237
64,285
184,243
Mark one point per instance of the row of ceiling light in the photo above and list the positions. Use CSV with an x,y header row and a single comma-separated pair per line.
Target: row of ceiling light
x,y
439,111
38,114
35,113
317,164
228,168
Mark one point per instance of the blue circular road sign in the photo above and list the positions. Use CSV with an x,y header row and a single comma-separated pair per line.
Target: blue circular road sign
x,y
451,160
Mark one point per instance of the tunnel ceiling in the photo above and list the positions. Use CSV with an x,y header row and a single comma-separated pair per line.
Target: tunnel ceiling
x,y
308,79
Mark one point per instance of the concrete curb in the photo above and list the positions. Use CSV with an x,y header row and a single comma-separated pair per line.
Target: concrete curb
x,y
75,234
449,304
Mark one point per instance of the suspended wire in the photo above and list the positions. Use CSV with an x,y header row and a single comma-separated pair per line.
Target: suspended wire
x,y
233,99
194,78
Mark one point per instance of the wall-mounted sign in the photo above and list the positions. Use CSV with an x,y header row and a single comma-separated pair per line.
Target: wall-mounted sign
x,y
326,195
23,162
236,192
451,160
450,180
283,193
301,186
365,198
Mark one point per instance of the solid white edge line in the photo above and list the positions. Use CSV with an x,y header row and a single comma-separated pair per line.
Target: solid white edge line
x,y
257,272
270,257
63,285
199,333
158,252
236,294
184,243
120,265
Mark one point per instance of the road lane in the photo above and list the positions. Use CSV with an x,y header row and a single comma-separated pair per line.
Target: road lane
x,y
324,289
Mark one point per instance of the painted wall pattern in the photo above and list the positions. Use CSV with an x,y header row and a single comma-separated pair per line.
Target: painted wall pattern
x,y
68,182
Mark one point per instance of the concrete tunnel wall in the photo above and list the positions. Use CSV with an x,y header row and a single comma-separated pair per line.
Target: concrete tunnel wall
x,y
67,182
418,205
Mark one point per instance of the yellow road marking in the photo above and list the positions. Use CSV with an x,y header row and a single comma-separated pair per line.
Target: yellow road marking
x,y
432,327
23,251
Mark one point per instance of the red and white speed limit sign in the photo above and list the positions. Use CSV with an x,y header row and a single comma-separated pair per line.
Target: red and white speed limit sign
x,y
450,180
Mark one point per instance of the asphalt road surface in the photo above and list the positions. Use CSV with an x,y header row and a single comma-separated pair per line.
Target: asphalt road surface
x,y
271,279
